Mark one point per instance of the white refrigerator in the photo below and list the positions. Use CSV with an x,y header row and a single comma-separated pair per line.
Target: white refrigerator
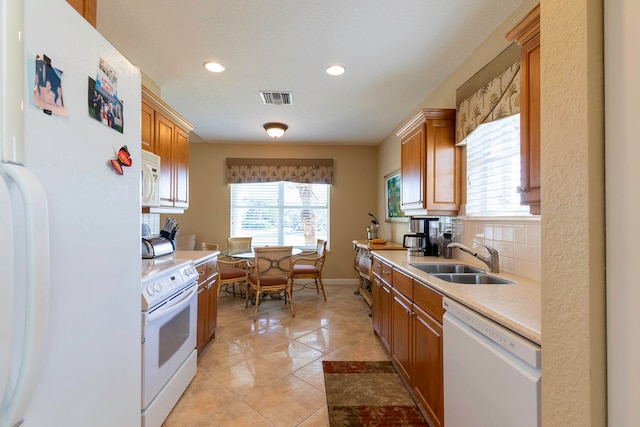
x,y
70,260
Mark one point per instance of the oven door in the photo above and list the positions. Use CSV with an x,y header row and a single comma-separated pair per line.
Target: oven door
x,y
168,338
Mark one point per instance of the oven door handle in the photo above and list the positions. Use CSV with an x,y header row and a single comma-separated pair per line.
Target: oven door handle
x,y
172,307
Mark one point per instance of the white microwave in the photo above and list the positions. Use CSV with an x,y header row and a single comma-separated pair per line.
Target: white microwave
x,y
150,178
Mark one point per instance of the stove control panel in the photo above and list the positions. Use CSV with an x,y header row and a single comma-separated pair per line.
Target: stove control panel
x,y
164,285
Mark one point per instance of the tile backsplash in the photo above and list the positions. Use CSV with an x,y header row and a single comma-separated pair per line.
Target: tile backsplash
x,y
152,221
516,240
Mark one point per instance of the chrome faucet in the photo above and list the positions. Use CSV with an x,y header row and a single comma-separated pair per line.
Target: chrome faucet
x,y
492,260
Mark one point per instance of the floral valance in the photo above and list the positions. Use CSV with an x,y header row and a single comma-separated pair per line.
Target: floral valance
x,y
310,171
496,99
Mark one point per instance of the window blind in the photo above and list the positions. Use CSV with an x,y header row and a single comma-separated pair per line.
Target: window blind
x,y
280,213
493,169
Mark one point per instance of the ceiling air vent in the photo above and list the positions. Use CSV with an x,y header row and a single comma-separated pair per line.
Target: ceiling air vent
x,y
276,98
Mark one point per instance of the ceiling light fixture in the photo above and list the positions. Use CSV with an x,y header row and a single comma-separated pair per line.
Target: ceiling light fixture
x,y
214,67
335,70
275,130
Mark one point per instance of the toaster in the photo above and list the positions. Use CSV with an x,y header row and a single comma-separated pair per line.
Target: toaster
x,y
153,247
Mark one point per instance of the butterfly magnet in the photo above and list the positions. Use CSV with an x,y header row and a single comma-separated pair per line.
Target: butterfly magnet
x,y
123,158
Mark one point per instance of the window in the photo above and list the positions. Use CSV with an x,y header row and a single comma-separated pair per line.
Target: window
x,y
280,213
493,169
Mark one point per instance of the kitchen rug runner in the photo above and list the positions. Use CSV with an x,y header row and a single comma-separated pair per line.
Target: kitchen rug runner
x,y
368,394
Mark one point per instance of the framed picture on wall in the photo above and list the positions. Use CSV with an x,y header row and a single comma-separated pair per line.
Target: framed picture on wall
x,y
392,192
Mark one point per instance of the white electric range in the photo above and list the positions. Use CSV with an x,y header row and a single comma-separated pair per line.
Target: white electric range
x,y
169,332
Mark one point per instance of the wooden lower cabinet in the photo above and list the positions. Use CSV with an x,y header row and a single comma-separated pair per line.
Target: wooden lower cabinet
x,y
381,311
207,302
415,336
428,380
402,333
381,306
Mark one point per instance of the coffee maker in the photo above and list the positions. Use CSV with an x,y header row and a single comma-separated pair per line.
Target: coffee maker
x,y
422,239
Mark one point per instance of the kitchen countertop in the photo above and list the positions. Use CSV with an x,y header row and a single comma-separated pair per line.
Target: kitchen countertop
x,y
380,246
154,266
516,307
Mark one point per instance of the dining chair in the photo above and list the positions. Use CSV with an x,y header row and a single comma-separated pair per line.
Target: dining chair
x,y
310,267
271,275
185,242
208,246
239,244
230,271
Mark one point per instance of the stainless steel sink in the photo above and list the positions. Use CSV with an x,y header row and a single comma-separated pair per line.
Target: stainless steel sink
x,y
473,279
447,268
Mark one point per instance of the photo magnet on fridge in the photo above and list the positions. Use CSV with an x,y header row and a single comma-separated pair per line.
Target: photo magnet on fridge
x,y
47,88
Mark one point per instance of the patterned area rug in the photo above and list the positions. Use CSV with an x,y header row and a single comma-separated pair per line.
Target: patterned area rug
x,y
368,394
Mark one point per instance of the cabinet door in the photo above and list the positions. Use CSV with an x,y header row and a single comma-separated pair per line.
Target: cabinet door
x,y
442,179
165,131
148,128
212,308
201,339
428,381
181,166
385,315
530,124
376,304
527,34
412,158
401,326
381,311
87,8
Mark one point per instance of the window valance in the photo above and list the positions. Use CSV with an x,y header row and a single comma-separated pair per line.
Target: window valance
x,y
491,94
310,171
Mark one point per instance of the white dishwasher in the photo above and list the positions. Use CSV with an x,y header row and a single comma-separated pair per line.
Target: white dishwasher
x,y
491,375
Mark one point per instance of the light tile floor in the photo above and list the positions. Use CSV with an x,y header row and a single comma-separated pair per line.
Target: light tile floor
x,y
269,373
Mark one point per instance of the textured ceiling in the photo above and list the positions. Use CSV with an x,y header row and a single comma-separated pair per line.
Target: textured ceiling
x,y
395,52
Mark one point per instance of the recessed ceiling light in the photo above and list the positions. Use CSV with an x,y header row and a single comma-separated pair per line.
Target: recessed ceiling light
x,y
214,67
335,70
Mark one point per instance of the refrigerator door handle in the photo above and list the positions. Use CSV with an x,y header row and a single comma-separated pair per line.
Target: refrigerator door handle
x,y
6,284
36,291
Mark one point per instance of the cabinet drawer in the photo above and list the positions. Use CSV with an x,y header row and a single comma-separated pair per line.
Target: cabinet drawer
x,y
383,270
202,271
428,300
403,283
212,267
376,266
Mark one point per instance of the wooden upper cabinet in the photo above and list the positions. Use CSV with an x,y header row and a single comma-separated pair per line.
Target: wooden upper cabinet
x,y
87,8
181,167
148,128
527,34
430,163
166,133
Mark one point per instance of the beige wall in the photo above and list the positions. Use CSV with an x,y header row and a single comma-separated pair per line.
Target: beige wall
x,y
353,194
572,158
